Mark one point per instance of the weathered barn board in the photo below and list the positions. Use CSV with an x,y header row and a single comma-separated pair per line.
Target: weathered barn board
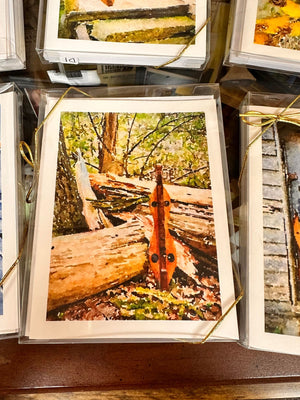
x,y
275,263
274,221
86,263
280,307
270,163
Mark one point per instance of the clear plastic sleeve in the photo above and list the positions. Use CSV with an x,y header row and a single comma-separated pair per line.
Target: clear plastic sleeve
x,y
12,42
269,214
121,290
263,36
124,34
12,203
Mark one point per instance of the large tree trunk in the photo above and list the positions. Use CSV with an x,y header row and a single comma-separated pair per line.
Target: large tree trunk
x,y
86,263
191,214
68,217
107,162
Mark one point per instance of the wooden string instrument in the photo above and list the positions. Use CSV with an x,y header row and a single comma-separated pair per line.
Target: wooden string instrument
x,y
108,2
162,253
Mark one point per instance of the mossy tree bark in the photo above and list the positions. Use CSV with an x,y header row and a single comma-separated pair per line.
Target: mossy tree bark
x,y
68,217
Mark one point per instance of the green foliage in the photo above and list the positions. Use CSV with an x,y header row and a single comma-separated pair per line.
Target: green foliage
x,y
80,133
175,140
152,304
60,315
278,330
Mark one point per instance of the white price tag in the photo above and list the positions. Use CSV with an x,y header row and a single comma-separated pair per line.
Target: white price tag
x,y
69,60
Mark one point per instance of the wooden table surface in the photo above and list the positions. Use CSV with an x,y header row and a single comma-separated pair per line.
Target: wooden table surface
x,y
138,366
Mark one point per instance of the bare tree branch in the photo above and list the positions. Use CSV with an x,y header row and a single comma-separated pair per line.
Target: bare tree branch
x,y
149,134
189,173
127,145
176,127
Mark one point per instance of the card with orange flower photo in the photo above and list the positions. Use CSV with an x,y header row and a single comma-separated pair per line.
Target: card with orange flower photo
x,y
266,34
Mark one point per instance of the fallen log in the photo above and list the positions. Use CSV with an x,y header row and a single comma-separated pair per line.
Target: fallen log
x,y
86,263
191,214
187,262
117,184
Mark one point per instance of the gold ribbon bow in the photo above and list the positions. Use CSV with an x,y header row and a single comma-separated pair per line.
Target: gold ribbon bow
x,y
266,121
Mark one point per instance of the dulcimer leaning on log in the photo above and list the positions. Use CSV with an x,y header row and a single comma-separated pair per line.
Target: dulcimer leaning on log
x,y
162,253
108,2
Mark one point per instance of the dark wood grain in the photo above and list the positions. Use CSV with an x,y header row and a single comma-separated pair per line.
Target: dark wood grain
x,y
123,366
220,392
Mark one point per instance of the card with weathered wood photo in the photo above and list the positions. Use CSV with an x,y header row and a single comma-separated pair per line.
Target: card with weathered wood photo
x,y
271,228
134,242
125,30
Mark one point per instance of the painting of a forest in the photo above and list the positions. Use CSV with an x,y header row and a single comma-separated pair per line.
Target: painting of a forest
x,y
133,228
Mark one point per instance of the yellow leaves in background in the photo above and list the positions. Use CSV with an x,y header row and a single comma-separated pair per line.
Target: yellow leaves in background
x,y
295,29
291,9
268,31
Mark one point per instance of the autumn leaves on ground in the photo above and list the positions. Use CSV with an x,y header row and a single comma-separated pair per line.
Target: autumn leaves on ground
x,y
106,174
277,23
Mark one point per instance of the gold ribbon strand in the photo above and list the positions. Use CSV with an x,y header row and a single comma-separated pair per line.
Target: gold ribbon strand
x,y
234,304
266,121
12,267
189,43
221,319
32,160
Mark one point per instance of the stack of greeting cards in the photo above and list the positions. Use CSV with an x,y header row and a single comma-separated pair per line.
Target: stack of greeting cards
x,y
10,207
135,32
270,227
130,237
266,34
12,44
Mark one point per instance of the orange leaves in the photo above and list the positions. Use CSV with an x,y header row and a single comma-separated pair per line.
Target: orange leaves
x,y
296,228
272,25
270,30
